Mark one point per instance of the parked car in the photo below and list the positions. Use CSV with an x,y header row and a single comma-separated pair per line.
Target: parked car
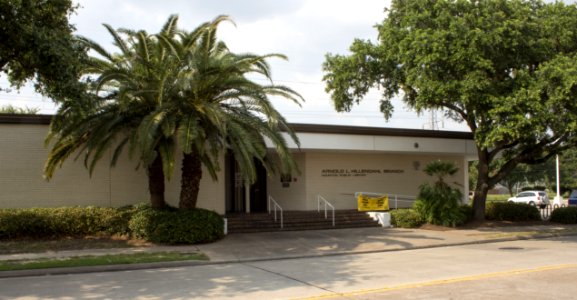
x,y
572,198
533,198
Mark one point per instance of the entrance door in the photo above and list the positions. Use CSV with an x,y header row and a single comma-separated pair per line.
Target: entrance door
x,y
258,193
236,192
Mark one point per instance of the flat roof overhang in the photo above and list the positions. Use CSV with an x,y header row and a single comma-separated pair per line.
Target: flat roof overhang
x,y
358,139
318,137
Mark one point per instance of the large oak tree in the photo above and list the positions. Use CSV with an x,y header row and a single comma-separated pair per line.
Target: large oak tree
x,y
505,68
38,44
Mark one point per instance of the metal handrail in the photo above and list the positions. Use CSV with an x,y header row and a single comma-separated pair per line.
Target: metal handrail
x,y
408,199
270,199
319,198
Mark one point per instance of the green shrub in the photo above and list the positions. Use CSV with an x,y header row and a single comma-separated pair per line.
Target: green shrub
x,y
509,211
467,213
170,226
160,226
63,221
438,203
406,218
565,215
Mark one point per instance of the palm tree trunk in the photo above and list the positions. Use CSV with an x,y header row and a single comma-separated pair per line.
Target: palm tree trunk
x,y
190,181
156,183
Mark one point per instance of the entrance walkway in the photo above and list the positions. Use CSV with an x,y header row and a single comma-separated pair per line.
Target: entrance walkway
x,y
293,244
244,247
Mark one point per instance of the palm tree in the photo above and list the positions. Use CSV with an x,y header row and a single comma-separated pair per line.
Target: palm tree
x,y
177,89
440,169
215,107
439,203
128,87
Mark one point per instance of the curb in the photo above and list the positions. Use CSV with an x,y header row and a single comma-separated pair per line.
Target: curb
x,y
177,264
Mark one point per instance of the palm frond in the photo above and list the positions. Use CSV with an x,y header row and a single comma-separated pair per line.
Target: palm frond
x,y
170,26
118,41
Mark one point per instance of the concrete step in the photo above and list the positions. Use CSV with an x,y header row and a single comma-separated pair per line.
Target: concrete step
x,y
297,220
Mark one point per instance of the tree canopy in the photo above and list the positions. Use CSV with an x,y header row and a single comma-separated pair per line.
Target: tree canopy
x,y
171,93
38,44
10,109
125,88
505,68
214,107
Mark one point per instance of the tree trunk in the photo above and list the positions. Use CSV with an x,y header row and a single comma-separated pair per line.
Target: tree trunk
x,y
190,181
482,188
156,183
510,187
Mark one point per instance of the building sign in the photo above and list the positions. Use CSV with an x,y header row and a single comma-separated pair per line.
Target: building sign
x,y
367,203
357,172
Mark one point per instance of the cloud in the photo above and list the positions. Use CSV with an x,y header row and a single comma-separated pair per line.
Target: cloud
x,y
304,30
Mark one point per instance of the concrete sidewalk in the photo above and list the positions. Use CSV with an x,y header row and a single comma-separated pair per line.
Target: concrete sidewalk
x,y
298,244
282,245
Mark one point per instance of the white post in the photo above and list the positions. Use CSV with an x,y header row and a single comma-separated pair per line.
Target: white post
x,y
558,199
247,197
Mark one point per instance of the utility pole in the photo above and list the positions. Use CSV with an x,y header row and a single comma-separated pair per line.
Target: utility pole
x,y
558,199
434,122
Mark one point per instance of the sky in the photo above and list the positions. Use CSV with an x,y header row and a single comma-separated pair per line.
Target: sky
x,y
303,30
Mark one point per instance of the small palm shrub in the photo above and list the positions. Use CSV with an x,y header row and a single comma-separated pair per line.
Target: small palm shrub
x,y
439,203
565,215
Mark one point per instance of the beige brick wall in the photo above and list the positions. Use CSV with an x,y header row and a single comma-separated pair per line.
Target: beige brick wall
x,y
292,197
338,188
22,157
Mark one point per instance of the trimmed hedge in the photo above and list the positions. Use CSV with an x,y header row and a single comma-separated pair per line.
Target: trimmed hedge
x,y
406,218
467,212
160,226
509,211
170,226
565,215
63,221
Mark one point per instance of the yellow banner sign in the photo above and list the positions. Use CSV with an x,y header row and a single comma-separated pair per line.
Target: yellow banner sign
x,y
366,203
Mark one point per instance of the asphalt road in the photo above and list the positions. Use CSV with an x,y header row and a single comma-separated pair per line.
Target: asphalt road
x,y
531,269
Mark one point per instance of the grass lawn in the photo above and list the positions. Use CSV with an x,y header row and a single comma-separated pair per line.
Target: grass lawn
x,y
497,198
116,259
31,245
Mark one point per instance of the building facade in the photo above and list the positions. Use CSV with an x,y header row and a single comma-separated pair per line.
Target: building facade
x,y
334,162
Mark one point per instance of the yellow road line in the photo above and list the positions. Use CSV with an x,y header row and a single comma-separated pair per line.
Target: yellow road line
x,y
444,281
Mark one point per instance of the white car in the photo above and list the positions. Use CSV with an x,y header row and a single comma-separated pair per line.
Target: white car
x,y
532,198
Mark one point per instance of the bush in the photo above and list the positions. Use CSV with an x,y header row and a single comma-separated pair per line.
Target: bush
x,y
467,212
63,221
509,211
439,206
160,226
565,215
170,226
438,203
406,218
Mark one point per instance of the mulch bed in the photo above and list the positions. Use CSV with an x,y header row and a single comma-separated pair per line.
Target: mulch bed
x,y
485,224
